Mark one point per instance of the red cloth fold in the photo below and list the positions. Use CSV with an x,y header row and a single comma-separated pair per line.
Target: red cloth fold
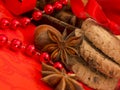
x,y
94,10
17,71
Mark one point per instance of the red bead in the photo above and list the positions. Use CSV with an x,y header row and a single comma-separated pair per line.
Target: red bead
x,y
3,40
58,65
64,2
4,23
48,9
30,50
57,5
37,15
25,21
44,57
15,44
69,73
14,24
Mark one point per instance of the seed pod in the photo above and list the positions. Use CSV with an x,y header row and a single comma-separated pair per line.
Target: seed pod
x,y
41,36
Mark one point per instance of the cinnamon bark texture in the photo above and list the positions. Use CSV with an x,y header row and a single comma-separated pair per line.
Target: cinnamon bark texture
x,y
99,61
91,64
89,76
102,39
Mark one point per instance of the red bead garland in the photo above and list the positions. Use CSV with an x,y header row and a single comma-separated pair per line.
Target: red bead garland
x,y
3,40
57,5
4,23
48,9
45,57
15,44
14,24
29,50
64,2
25,21
58,65
37,15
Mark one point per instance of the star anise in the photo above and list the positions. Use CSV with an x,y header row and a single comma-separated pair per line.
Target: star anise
x,y
59,80
63,45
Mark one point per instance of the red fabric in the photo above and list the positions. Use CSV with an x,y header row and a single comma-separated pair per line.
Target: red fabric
x,y
107,17
18,72
106,12
18,7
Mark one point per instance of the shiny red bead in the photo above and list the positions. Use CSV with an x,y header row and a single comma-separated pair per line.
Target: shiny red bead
x,y
48,9
4,23
30,50
37,15
57,5
15,44
3,40
25,21
44,57
14,24
64,2
58,65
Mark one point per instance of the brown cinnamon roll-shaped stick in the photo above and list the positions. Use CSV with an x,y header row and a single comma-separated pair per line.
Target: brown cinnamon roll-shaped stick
x,y
90,77
102,39
99,61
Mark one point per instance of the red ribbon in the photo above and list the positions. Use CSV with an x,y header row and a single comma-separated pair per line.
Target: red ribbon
x,y
94,10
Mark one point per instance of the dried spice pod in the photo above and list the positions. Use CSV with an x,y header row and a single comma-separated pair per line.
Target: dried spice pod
x,y
90,77
59,80
41,35
102,39
60,46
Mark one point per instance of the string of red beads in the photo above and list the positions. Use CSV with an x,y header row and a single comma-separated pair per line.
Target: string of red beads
x,y
37,15
17,45
29,50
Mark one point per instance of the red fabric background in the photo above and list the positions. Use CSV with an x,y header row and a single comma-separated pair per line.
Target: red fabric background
x,y
18,72
105,12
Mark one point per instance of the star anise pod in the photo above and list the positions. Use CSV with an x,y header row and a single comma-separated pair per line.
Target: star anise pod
x,y
59,79
63,45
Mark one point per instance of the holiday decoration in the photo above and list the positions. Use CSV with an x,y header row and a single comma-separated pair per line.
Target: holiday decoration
x,y
59,45
18,7
73,53
77,55
90,8
60,79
